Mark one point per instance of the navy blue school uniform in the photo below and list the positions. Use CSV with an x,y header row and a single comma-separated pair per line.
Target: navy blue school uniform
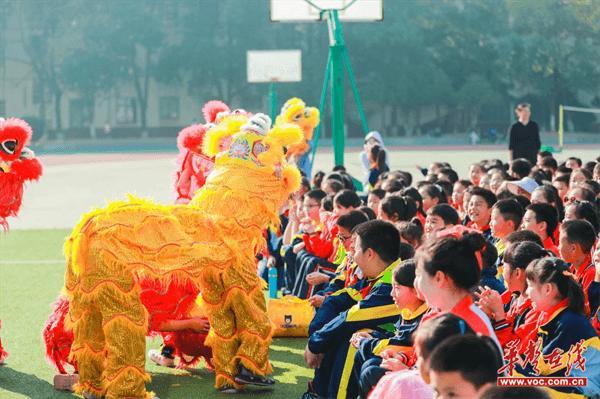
x,y
558,332
365,305
367,370
307,263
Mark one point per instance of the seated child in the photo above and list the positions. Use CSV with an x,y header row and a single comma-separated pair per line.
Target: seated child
x,y
370,344
413,382
542,219
439,217
464,366
411,232
304,213
447,268
366,305
318,248
563,330
577,239
414,194
506,218
347,273
432,195
479,210
395,208
374,198
511,312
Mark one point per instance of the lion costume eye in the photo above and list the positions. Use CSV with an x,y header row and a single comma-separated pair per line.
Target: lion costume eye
x,y
9,146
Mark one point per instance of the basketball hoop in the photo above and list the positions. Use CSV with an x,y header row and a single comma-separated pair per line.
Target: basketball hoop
x,y
338,62
274,66
311,10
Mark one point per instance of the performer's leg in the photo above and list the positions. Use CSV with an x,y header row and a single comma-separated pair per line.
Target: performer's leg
x,y
124,325
254,330
87,350
222,337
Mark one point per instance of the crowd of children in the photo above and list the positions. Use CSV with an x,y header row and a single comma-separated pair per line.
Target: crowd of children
x,y
439,286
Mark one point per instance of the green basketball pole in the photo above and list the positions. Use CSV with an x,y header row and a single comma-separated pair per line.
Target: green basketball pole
x,y
338,61
273,100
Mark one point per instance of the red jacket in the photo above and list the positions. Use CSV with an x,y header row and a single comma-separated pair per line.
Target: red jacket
x,y
520,322
321,244
585,276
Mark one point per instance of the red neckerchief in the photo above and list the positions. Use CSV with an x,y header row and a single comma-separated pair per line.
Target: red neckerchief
x,y
585,265
546,317
472,225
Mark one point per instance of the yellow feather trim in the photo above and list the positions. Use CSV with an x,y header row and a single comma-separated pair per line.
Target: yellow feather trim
x,y
226,128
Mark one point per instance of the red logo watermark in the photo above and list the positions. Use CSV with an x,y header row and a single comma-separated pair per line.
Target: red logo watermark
x,y
533,359
542,381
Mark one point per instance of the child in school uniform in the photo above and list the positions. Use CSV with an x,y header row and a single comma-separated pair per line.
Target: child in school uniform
x,y
512,313
370,345
347,272
565,336
464,366
413,381
447,269
577,239
365,305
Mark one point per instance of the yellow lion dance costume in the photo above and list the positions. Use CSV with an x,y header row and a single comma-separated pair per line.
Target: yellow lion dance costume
x,y
296,112
212,242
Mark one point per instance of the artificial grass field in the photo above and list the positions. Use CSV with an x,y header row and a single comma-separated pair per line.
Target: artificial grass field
x,y
31,276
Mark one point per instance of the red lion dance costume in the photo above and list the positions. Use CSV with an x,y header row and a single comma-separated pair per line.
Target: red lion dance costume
x,y
17,165
194,164
210,243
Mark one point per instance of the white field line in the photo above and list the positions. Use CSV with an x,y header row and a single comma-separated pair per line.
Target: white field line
x,y
32,262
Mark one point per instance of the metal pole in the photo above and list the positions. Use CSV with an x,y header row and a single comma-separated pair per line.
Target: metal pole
x,y
336,48
359,105
560,126
273,99
321,111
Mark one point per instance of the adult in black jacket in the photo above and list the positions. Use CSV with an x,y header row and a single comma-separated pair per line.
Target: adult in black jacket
x,y
524,141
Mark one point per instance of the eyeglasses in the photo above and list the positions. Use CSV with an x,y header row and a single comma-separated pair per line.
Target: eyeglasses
x,y
568,200
342,237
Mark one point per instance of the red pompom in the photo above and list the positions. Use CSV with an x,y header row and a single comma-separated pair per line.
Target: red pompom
x,y
212,108
190,138
27,169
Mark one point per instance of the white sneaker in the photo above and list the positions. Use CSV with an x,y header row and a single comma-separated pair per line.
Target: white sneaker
x,y
157,357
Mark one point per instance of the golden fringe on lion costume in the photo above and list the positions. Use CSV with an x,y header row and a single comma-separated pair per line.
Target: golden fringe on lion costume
x,y
212,243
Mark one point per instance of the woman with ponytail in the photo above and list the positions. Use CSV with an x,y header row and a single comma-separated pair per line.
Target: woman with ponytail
x,y
447,269
562,328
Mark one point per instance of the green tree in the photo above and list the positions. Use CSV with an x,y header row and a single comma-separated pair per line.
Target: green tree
x,y
43,27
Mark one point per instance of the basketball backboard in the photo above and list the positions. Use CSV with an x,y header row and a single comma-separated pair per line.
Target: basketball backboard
x,y
274,66
310,10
